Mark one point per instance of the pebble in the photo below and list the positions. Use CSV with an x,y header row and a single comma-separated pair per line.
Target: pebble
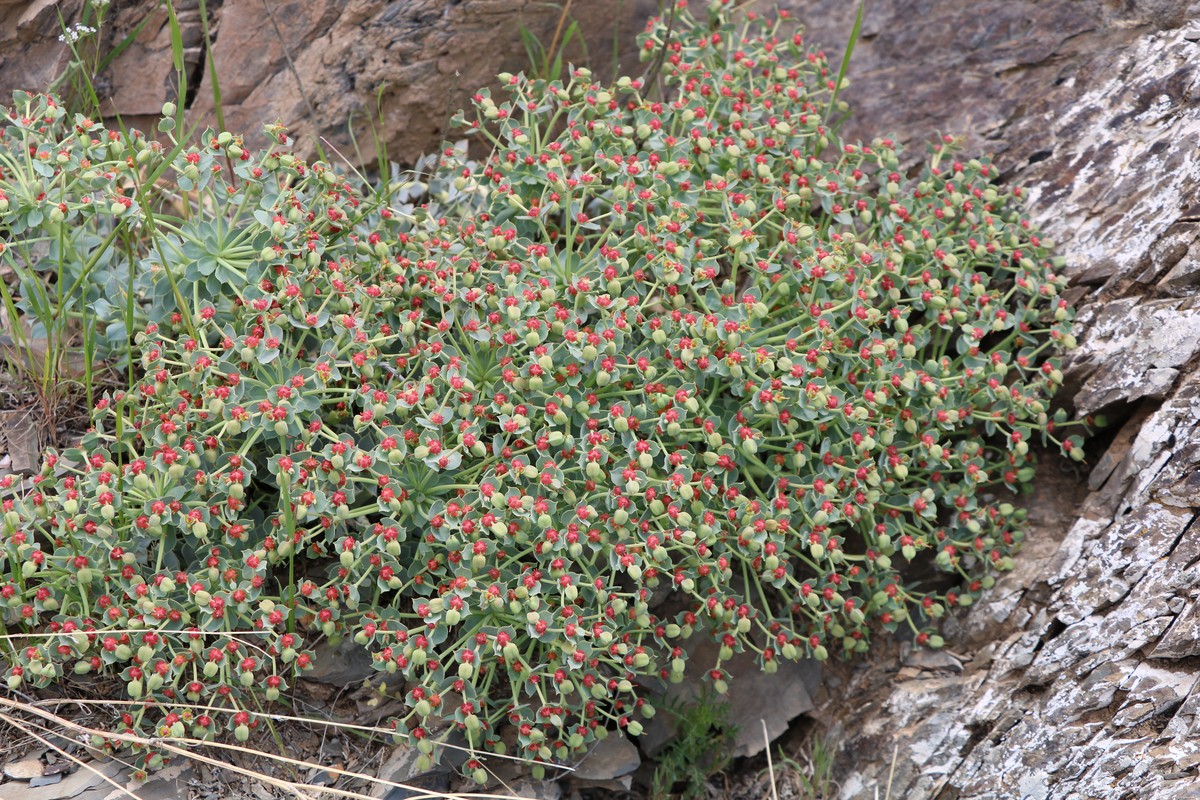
x,y
25,769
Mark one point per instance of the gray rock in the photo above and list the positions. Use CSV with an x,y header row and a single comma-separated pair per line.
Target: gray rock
x,y
83,784
1115,463
530,790
1060,707
1185,276
930,660
342,664
401,767
420,786
167,784
754,697
1136,354
1153,691
1182,640
607,759
614,786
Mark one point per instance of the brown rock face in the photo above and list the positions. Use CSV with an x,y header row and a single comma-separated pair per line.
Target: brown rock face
x,y
322,67
1078,675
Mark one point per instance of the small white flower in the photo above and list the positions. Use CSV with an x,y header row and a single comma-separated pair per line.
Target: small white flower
x,y
100,4
73,35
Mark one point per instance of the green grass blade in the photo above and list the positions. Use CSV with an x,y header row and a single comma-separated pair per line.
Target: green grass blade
x,y
177,60
20,341
42,310
89,354
176,39
616,45
123,45
381,147
534,51
92,262
577,36
130,301
212,66
855,33
556,69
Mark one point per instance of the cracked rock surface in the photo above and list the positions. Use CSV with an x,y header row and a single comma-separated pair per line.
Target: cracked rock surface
x,y
1083,676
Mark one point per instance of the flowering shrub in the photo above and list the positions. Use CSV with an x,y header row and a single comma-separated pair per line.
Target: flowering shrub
x,y
690,367
85,205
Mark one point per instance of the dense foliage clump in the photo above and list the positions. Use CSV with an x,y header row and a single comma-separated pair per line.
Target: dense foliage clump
x,y
671,364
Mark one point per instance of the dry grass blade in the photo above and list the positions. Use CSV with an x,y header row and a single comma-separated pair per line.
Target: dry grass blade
x,y
349,726
250,636
350,165
770,764
174,747
562,19
312,112
892,771
348,162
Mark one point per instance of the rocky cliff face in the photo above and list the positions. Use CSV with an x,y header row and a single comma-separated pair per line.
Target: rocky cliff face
x,y
1078,677
1081,674
325,68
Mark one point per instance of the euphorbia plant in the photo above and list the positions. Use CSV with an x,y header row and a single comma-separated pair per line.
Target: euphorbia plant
x,y
690,366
